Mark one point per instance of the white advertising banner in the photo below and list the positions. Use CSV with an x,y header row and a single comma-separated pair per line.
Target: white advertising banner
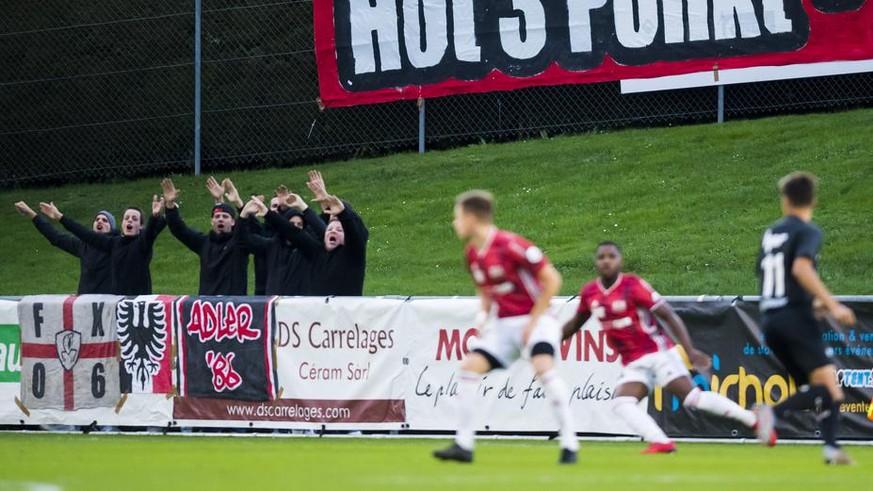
x,y
341,360
511,399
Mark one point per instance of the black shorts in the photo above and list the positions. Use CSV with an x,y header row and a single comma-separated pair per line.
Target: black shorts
x,y
793,335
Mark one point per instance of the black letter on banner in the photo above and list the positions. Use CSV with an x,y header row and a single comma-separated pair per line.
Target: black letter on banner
x,y
97,311
837,6
38,385
98,382
37,319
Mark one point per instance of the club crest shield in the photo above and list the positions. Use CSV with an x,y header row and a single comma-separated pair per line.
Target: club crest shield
x,y
68,344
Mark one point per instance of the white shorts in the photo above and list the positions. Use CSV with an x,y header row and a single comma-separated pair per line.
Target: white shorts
x,y
502,340
653,369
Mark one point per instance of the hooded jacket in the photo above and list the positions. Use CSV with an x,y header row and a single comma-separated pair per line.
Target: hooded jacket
x,y
224,259
94,264
130,257
338,272
288,271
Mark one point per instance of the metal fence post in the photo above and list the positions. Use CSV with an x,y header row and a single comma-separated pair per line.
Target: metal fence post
x,y
721,103
198,12
421,120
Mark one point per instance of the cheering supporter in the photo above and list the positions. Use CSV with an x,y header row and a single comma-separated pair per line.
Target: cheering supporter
x,y
130,253
288,270
339,260
94,264
223,258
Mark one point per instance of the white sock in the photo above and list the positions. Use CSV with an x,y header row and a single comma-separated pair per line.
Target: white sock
x,y
468,383
719,405
629,410
559,398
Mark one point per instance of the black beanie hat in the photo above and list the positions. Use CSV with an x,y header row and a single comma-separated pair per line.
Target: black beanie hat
x,y
223,207
287,213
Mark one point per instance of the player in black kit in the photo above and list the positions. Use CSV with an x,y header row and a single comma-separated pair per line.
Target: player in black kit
x,y
790,287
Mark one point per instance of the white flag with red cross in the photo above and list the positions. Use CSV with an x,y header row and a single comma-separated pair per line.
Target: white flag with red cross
x,y
69,352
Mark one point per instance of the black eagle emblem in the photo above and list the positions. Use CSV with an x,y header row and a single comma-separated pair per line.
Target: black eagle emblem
x,y
142,330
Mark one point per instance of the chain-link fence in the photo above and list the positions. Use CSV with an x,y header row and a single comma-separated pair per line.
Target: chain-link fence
x,y
97,89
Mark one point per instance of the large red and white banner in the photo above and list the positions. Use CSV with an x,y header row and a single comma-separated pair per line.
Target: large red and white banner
x,y
371,51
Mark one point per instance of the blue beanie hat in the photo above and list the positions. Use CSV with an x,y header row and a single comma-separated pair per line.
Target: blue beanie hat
x,y
108,217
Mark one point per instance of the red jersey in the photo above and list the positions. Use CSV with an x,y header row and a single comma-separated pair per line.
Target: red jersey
x,y
624,312
506,269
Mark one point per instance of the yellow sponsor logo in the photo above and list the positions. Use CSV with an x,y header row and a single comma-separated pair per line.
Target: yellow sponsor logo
x,y
743,387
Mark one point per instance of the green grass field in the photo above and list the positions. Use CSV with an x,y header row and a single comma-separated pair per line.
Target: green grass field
x,y
688,203
98,462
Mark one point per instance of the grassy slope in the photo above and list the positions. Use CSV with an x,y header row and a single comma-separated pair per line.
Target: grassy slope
x,y
687,203
133,463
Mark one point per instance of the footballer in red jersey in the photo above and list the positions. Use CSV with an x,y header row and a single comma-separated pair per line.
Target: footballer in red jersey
x,y
505,270
626,308
514,278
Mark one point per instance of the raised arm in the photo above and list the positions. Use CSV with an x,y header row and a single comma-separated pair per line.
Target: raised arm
x,y
65,242
316,185
314,223
232,194
156,222
192,239
215,189
88,236
244,227
310,219
307,244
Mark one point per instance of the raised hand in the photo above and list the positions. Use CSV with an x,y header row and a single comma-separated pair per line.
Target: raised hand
x,y
262,210
316,185
50,210
331,204
25,210
295,201
170,194
231,193
215,189
157,204
282,193
255,206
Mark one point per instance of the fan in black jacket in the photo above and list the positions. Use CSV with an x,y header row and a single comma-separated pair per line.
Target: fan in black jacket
x,y
224,259
94,264
288,271
130,253
339,262
227,189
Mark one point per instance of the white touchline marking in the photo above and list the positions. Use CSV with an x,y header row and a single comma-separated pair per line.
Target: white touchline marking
x,y
29,486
